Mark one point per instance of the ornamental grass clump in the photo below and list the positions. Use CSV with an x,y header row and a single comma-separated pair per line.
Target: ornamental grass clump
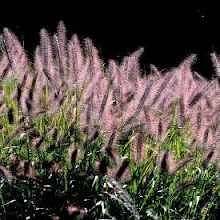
x,y
81,139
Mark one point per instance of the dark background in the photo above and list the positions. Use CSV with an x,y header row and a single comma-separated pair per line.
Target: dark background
x,y
168,32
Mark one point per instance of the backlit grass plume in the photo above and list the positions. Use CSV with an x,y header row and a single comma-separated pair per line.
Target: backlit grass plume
x,y
115,98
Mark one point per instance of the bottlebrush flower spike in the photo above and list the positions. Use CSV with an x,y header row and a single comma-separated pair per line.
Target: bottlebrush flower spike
x,y
61,45
7,49
163,161
6,173
216,63
138,145
94,61
121,171
76,58
155,71
210,157
185,185
30,174
15,52
166,163
74,155
4,66
140,105
186,78
161,84
130,70
17,60
46,50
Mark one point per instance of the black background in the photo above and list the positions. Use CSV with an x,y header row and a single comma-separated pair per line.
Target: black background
x,y
169,32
